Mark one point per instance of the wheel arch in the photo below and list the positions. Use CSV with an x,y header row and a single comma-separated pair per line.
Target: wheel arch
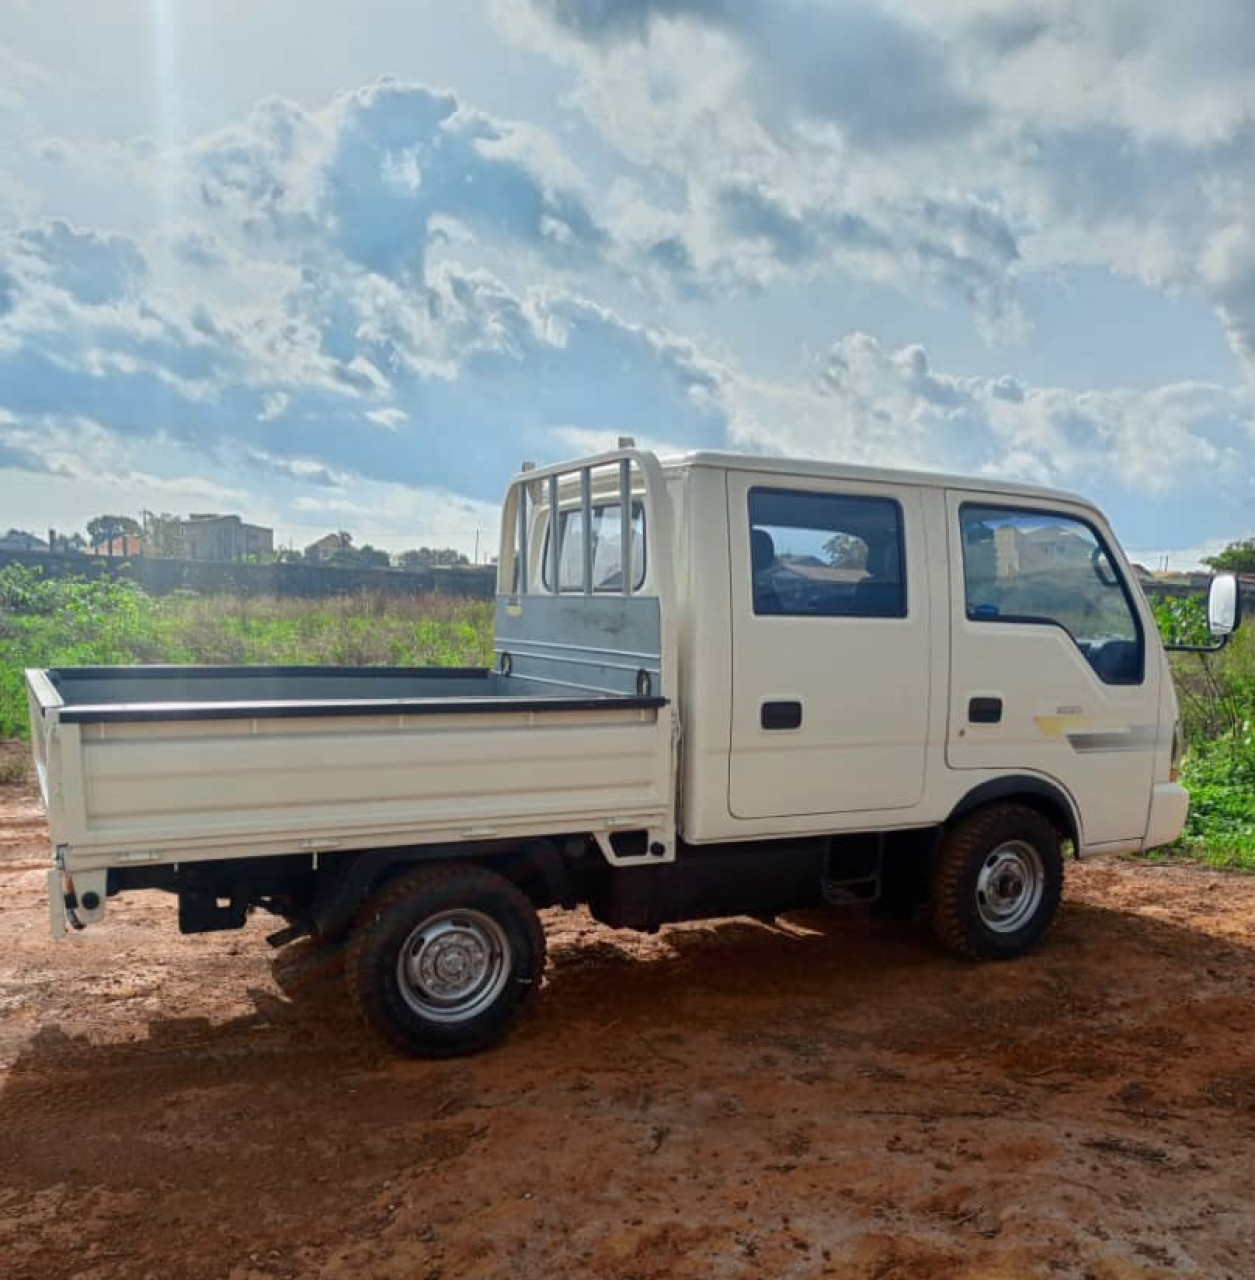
x,y
534,866
1046,797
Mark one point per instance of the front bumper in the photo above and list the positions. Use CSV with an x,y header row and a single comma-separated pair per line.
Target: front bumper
x,y
1169,808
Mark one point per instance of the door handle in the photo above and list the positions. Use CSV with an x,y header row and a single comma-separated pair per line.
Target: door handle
x,y
782,715
984,710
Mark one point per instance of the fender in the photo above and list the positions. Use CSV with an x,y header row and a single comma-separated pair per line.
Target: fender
x,y
1049,797
345,889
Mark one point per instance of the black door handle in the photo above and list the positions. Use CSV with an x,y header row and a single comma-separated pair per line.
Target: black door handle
x,y
782,715
985,710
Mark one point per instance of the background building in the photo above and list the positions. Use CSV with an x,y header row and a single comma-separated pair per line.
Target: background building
x,y
206,536
20,540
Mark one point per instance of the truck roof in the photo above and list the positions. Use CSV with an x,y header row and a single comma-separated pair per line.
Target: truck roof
x,y
847,471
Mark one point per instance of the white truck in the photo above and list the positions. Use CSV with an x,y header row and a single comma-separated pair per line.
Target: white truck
x,y
723,685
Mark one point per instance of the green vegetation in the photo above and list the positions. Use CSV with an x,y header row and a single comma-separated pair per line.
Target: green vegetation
x,y
72,622
1217,695
1237,557
13,770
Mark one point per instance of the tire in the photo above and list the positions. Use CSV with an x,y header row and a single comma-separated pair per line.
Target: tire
x,y
440,961
997,883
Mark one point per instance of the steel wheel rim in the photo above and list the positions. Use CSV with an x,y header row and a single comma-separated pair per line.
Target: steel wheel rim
x,y
453,965
1010,886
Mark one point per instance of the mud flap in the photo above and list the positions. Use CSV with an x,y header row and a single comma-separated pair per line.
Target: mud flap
x,y
207,908
56,905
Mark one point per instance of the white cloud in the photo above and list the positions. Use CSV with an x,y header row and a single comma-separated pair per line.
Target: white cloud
x,y
949,144
1173,455
389,418
395,294
300,350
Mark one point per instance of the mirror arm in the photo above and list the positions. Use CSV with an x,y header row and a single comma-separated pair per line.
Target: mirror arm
x,y
1199,648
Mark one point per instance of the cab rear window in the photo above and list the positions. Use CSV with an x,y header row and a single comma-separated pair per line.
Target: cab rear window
x,y
607,544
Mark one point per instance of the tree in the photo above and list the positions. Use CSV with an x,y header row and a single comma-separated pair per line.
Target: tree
x,y
846,551
429,558
331,549
104,529
165,537
347,556
1237,557
369,557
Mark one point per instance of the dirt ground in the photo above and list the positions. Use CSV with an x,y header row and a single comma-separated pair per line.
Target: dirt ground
x,y
819,1097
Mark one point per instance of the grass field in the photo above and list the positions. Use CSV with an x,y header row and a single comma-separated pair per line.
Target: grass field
x,y
60,623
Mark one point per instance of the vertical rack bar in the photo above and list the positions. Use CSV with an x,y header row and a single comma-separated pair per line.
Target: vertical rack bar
x,y
625,523
555,536
586,526
521,548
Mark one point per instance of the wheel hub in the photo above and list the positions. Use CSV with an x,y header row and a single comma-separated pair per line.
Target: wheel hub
x,y
453,965
1010,885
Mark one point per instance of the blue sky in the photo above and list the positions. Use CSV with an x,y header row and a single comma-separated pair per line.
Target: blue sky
x,y
346,266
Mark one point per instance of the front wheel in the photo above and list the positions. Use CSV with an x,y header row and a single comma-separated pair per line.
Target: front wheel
x,y
997,882
441,959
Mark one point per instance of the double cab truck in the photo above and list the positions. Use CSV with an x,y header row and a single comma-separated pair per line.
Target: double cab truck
x,y
722,685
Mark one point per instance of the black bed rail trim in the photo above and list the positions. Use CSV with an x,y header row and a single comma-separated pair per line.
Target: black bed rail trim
x,y
136,712
163,671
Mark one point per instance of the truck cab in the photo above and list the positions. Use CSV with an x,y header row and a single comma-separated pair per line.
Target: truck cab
x,y
722,685
877,650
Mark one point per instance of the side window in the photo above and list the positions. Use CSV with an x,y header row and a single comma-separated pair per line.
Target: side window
x,y
1033,566
827,554
607,550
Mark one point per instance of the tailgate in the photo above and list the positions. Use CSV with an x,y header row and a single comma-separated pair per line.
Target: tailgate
x,y
42,698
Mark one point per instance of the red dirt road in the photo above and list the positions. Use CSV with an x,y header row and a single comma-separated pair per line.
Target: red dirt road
x,y
817,1098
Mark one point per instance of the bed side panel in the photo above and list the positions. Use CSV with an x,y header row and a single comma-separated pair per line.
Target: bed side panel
x,y
224,787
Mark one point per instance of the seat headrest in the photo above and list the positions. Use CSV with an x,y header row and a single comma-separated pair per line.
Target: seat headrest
x,y
762,550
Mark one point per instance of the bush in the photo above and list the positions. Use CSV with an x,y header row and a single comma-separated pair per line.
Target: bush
x,y
1217,697
1181,619
1220,777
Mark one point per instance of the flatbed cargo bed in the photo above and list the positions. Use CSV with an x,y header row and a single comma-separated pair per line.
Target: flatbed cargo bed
x,y
96,695
165,765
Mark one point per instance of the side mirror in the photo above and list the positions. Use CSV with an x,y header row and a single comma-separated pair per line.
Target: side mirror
x,y
1224,605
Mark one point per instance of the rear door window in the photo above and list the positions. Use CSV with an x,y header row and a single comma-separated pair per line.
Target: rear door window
x,y
834,555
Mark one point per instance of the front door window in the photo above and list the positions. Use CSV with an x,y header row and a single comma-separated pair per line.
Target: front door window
x,y
1022,566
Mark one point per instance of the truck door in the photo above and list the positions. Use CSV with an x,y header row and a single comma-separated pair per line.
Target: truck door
x,y
1050,670
830,646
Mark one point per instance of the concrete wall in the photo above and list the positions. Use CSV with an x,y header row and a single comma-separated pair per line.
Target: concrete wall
x,y
160,577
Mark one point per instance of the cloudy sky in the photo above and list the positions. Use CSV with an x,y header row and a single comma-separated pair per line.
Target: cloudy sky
x,y
335,265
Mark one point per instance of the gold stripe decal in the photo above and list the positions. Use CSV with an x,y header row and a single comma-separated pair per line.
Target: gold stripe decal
x,y
1095,733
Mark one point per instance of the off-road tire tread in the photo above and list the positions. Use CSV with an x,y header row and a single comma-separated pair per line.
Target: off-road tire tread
x,y
375,1006
951,914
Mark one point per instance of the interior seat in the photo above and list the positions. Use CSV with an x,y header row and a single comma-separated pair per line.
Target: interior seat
x,y
762,561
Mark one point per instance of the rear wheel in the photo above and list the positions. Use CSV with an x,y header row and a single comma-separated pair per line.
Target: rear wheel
x,y
440,961
997,882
